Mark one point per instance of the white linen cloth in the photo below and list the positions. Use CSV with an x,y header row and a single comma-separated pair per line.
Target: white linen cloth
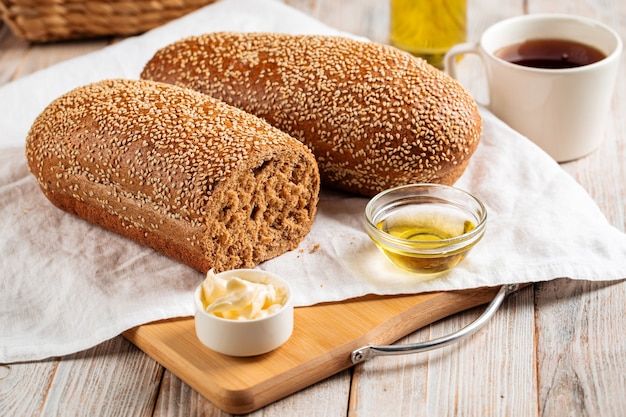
x,y
67,285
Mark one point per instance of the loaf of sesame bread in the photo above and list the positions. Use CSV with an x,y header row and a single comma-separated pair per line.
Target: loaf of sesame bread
x,y
374,117
192,177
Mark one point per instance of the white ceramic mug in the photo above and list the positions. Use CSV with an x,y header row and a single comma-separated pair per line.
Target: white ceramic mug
x,y
564,111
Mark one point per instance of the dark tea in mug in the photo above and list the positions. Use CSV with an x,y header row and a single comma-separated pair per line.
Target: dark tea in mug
x,y
550,54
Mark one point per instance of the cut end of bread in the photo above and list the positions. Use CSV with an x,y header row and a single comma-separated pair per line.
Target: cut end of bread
x,y
269,212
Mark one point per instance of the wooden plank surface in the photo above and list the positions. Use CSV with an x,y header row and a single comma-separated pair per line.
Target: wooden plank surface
x,y
554,349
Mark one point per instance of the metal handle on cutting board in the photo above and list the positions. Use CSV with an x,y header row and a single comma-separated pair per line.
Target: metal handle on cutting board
x,y
367,352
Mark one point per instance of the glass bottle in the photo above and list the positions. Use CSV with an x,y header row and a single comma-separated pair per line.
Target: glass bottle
x,y
428,28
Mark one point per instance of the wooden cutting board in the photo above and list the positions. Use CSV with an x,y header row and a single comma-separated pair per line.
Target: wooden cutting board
x,y
324,337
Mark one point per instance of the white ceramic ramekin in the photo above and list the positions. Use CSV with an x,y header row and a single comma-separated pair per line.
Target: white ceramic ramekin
x,y
246,337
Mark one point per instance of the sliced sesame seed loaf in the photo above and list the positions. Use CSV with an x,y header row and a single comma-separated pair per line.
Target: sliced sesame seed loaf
x,y
192,177
374,117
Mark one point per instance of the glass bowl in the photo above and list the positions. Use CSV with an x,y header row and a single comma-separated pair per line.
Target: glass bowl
x,y
425,228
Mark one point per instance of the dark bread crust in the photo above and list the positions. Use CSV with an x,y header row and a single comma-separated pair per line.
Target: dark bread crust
x,y
194,178
374,117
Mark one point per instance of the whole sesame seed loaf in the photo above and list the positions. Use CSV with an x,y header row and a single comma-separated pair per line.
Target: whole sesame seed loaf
x,y
374,117
192,177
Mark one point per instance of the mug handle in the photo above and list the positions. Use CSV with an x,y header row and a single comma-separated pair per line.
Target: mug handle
x,y
452,56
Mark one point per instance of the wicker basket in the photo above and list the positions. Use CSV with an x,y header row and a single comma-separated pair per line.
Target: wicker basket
x,y
55,20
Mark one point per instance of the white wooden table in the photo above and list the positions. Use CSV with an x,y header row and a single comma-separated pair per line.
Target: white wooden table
x,y
554,349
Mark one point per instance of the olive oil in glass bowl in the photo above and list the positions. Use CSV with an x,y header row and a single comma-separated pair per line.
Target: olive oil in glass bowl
x,y
425,228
